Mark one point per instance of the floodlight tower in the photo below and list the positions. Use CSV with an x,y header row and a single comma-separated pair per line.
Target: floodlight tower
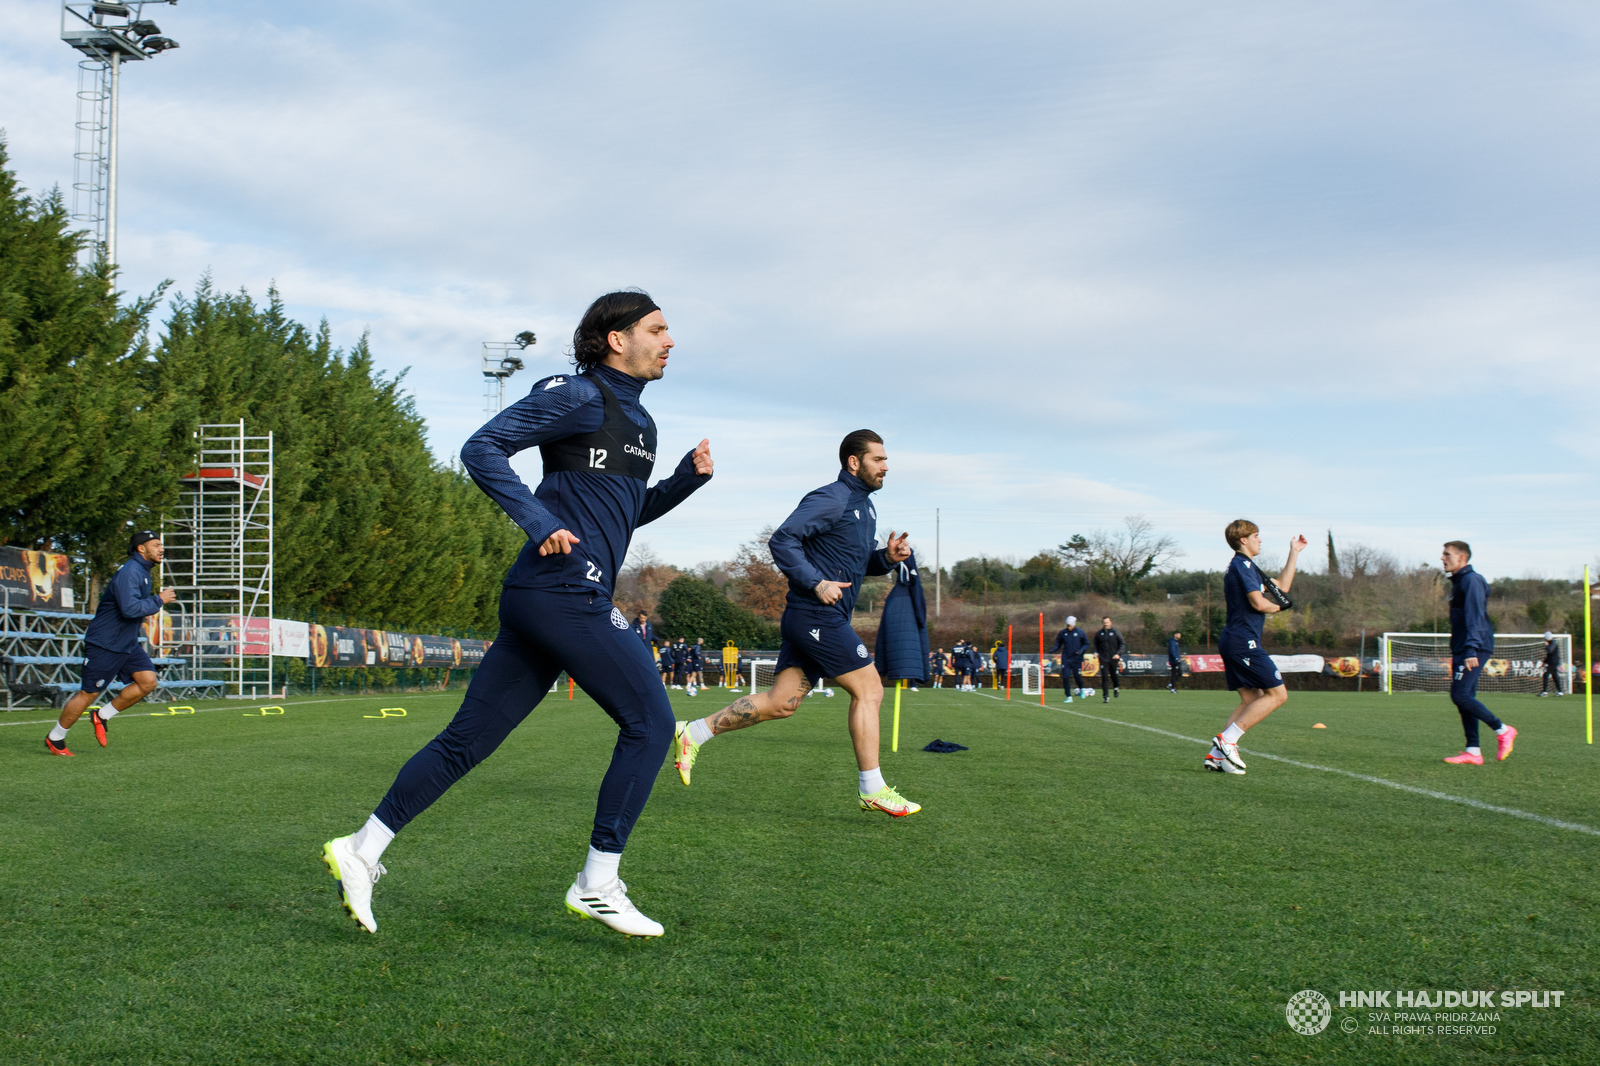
x,y
500,361
108,34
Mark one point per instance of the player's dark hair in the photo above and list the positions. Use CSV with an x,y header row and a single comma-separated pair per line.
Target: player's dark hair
x,y
856,444
1239,529
1461,546
614,312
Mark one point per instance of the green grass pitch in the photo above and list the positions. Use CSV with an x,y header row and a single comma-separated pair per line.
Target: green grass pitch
x,y
1073,890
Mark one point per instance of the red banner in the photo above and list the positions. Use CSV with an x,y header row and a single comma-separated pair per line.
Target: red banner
x,y
1204,664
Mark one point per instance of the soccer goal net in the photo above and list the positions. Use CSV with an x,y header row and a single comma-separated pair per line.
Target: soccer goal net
x,y
1420,662
1032,678
762,674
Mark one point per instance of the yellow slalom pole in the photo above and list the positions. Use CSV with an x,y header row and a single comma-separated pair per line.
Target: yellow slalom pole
x,y
1588,665
894,741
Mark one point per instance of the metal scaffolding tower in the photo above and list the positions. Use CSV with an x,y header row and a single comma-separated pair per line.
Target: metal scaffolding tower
x,y
219,559
500,361
108,35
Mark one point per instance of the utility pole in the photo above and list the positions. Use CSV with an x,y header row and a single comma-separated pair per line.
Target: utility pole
x,y
938,572
108,34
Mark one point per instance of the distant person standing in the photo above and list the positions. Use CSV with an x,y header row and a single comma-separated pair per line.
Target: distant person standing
x,y
1249,669
1174,661
111,643
1471,644
646,631
697,664
1002,664
680,662
1109,646
936,663
663,650
1552,665
1071,643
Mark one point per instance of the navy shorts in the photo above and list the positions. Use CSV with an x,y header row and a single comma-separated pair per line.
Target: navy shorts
x,y
104,667
822,647
1247,664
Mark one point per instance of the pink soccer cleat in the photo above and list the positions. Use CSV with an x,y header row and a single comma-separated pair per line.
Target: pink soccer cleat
x,y
1506,740
1466,758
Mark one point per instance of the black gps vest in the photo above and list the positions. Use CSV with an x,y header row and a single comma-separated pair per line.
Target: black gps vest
x,y
618,447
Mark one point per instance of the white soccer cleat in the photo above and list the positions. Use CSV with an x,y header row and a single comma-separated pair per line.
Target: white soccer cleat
x,y
1230,751
609,905
355,878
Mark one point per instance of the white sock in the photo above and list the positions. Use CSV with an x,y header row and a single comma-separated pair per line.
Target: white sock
x,y
370,840
58,734
1232,733
600,869
108,713
871,780
1474,751
1502,730
699,732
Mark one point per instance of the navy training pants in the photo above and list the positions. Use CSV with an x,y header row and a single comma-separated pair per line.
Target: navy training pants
x,y
1072,674
1464,694
541,634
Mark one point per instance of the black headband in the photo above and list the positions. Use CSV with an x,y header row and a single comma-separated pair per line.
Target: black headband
x,y
634,321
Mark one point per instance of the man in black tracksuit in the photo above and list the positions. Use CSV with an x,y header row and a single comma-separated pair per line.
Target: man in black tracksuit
x,y
1109,645
1174,661
1552,665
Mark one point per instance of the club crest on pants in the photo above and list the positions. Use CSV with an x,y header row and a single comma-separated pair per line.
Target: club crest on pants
x,y
617,619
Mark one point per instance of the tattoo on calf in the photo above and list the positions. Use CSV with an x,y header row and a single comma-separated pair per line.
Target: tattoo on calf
x,y
736,715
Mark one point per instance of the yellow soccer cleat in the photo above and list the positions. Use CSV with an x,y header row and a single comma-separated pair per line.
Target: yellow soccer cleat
x,y
889,802
684,751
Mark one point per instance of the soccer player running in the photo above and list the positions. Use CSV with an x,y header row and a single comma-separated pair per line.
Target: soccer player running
x,y
599,448
1471,643
824,548
111,644
1248,667
1108,647
1072,643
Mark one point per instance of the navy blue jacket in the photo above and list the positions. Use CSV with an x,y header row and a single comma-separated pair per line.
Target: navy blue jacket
x,y
829,537
601,510
902,644
695,655
1552,655
1471,633
1002,658
1174,652
1072,643
646,631
124,605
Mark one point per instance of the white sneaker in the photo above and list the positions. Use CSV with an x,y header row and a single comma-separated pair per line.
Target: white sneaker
x,y
1067,700
1230,751
355,878
609,905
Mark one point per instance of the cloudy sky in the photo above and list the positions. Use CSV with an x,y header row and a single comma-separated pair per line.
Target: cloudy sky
x,y
1325,266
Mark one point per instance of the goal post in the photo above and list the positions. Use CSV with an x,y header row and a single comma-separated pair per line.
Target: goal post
x,y
1032,678
1420,662
763,672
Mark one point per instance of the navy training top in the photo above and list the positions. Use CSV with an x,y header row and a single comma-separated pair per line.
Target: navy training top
x,y
124,605
601,509
1174,652
831,536
1241,579
1471,632
1071,642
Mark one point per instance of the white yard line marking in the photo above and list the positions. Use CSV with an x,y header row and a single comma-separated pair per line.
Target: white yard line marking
x,y
1554,823
234,706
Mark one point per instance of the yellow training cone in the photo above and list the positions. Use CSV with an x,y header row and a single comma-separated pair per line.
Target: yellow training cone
x,y
1319,725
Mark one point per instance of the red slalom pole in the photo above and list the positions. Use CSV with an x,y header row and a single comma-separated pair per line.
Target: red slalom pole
x,y
569,688
1008,660
1041,658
